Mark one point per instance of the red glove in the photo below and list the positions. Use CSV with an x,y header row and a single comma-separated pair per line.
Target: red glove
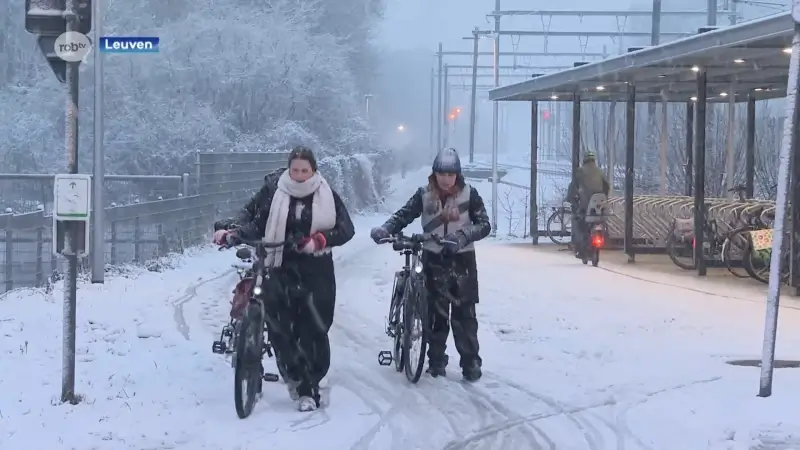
x,y
221,237
313,243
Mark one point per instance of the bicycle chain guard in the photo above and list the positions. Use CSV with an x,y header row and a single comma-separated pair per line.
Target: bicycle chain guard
x,y
385,358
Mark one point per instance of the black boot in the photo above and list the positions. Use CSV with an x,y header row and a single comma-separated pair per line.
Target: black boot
x,y
436,371
472,372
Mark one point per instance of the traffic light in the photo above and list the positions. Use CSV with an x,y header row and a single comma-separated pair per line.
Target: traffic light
x,y
45,17
546,114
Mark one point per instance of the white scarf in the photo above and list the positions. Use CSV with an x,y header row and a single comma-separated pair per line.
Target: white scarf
x,y
323,211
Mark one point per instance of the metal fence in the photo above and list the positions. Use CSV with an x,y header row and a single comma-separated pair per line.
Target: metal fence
x,y
149,228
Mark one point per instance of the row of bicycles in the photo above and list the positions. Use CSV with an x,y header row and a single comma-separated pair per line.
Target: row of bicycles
x,y
736,235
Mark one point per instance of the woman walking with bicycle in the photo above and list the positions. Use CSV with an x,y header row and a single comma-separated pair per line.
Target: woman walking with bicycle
x,y
452,209
300,203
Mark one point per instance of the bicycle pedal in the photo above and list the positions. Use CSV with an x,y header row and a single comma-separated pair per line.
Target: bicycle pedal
x,y
271,377
219,347
385,358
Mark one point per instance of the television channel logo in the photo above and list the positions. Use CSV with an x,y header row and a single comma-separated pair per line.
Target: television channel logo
x,y
119,44
72,46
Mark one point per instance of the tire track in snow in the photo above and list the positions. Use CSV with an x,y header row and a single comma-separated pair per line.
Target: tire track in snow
x,y
190,293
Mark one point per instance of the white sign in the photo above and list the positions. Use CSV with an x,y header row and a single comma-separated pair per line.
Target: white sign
x,y
73,197
72,46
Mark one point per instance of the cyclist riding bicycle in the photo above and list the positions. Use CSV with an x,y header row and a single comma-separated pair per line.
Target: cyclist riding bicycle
x,y
301,202
589,180
451,208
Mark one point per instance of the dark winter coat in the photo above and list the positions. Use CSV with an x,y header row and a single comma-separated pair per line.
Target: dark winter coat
x,y
258,208
468,214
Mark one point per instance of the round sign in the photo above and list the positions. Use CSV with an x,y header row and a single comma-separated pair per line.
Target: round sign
x,y
72,46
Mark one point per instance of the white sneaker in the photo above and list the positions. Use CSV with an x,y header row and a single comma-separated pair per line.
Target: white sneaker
x,y
306,404
291,386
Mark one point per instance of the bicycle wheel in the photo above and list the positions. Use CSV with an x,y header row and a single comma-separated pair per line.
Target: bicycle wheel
x,y
247,370
415,326
399,349
734,249
556,225
681,254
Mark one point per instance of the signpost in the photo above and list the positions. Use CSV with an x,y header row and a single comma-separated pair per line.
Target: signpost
x,y
62,26
789,146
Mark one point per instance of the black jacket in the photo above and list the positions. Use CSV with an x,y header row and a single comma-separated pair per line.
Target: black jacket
x,y
259,200
339,235
480,228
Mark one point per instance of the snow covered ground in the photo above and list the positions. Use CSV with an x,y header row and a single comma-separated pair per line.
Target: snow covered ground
x,y
574,357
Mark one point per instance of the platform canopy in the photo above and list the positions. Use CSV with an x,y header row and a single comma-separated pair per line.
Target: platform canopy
x,y
751,58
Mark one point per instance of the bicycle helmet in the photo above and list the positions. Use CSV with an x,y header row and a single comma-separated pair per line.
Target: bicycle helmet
x,y
447,161
589,157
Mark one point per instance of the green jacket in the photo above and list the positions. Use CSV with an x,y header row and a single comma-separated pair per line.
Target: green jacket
x,y
590,180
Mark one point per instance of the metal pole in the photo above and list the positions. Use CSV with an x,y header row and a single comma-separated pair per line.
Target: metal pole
x,y
711,18
71,231
366,106
433,109
534,182
730,162
445,117
655,31
440,110
98,230
750,149
689,168
787,146
611,146
474,96
495,117
664,147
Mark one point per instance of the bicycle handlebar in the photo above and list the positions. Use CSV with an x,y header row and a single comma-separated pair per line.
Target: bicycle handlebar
x,y
289,244
416,239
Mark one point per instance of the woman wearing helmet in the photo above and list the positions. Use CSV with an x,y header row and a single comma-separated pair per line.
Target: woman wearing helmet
x,y
451,208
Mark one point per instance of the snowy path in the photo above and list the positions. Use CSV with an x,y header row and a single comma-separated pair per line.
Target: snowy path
x,y
574,358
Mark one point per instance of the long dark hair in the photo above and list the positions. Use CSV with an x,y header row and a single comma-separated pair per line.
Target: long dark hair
x,y
433,186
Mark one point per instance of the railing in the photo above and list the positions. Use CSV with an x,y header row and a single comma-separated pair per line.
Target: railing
x,y
147,229
28,192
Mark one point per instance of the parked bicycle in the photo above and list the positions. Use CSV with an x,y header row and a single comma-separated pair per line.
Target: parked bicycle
x,y
409,320
559,224
246,337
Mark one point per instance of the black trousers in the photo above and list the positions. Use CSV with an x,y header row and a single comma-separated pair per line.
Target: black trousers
x,y
300,310
452,285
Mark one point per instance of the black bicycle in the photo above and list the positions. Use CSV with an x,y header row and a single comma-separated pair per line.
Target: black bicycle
x,y
409,318
559,224
246,336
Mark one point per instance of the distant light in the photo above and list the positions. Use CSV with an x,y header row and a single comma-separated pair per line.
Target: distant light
x,y
553,97
601,88
546,114
695,69
452,117
738,61
694,99
759,89
788,50
458,110
723,94
401,128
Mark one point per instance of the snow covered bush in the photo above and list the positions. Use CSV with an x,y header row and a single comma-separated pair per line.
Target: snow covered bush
x,y
232,75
